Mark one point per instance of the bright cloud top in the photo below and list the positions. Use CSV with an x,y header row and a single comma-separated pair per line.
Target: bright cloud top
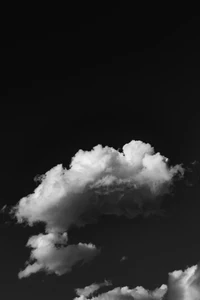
x,y
103,180
182,285
100,181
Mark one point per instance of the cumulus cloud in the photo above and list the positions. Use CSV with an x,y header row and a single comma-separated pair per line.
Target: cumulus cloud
x,y
124,293
182,285
100,181
54,256
89,290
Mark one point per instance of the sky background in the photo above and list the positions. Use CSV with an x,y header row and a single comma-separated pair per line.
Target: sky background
x,y
100,76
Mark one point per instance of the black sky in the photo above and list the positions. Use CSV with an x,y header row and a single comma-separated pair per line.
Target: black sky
x,y
96,75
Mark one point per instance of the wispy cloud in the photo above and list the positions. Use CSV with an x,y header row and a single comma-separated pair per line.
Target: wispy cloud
x,y
123,258
89,290
100,181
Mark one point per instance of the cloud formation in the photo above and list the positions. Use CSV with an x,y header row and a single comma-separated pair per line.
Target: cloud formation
x,y
54,256
89,290
100,181
123,258
124,293
182,285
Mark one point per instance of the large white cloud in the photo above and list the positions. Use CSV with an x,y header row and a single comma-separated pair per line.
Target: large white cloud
x,y
182,285
100,181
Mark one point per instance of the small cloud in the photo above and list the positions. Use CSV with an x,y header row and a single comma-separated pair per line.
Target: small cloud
x,y
192,174
54,256
3,209
5,219
123,258
89,290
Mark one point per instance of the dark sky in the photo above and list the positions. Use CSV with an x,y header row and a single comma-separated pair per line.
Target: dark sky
x,y
89,76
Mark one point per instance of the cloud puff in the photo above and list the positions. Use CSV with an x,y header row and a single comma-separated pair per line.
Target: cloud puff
x,y
123,258
100,181
89,290
182,285
54,256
